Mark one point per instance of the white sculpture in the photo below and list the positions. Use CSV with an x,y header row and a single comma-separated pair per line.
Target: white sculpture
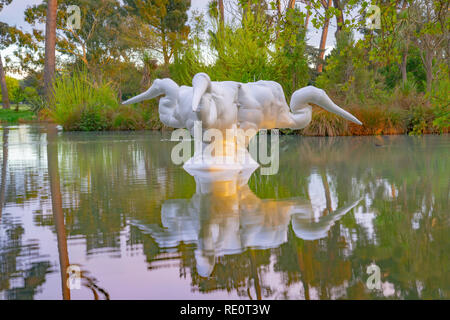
x,y
220,105
229,105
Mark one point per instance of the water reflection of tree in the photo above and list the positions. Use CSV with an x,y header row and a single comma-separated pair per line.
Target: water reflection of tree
x,y
57,210
19,262
4,167
399,187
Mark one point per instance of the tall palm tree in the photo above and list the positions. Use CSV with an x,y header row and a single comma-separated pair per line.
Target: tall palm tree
x,y
50,44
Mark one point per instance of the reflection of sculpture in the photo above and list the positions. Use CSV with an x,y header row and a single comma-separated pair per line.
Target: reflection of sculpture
x,y
222,221
233,105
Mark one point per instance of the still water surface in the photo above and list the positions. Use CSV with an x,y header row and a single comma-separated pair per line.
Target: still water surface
x,y
115,205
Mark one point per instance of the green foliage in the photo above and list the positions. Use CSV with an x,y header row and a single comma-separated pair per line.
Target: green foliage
x,y
164,21
415,72
186,65
13,85
408,88
440,100
290,57
30,93
17,95
80,104
248,51
242,52
37,103
420,118
347,73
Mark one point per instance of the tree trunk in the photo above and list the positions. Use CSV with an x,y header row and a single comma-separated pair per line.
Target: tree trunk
x,y
5,98
323,41
222,13
50,45
165,49
307,17
292,4
427,59
339,17
403,67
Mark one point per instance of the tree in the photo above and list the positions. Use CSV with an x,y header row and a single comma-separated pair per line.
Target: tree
x,y
50,46
166,20
18,96
100,40
4,42
221,11
11,84
431,18
339,5
5,99
323,39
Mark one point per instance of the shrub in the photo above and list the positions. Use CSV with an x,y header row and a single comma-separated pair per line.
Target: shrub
x,y
80,104
127,118
419,120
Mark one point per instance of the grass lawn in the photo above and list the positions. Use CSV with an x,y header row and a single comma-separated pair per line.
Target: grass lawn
x,y
12,116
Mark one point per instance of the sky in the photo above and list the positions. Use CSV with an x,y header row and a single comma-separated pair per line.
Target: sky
x,y
14,15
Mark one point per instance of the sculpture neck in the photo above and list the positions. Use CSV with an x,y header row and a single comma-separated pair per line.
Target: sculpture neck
x,y
170,90
301,117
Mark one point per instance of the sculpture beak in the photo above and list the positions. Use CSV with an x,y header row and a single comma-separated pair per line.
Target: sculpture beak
x,y
151,93
325,102
200,84
340,112
317,96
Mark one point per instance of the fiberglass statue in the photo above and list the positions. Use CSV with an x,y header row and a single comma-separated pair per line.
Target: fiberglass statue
x,y
229,105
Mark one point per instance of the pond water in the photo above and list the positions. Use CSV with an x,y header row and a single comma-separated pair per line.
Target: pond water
x,y
341,213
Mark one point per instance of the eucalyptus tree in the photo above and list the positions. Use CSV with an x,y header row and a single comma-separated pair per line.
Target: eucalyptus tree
x,y
50,45
165,22
93,42
4,42
431,18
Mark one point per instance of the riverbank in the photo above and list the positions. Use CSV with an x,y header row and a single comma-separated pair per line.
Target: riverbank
x,y
376,121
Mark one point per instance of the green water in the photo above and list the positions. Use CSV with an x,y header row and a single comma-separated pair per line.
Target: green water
x,y
115,205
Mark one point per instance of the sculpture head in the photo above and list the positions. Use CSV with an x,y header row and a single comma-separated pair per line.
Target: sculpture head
x,y
201,84
159,87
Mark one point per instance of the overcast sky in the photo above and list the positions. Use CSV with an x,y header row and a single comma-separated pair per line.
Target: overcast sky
x,y
14,15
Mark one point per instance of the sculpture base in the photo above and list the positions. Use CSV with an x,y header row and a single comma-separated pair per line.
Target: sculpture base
x,y
232,174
